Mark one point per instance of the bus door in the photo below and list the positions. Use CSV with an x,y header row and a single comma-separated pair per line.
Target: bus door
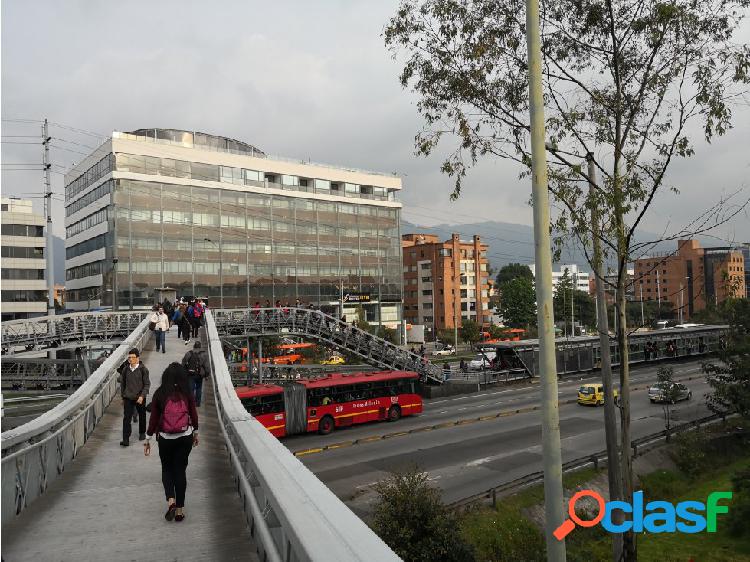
x,y
295,405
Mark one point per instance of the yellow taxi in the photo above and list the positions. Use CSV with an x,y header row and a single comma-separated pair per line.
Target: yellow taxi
x,y
592,394
333,360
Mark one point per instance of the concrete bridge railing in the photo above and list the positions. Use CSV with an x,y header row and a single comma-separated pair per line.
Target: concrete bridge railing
x,y
292,515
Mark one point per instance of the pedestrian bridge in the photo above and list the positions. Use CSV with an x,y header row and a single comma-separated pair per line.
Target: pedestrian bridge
x,y
70,492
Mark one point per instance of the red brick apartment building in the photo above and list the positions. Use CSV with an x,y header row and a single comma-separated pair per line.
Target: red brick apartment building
x,y
691,277
444,281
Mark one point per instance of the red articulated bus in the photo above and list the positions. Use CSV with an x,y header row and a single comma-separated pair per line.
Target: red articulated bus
x,y
337,400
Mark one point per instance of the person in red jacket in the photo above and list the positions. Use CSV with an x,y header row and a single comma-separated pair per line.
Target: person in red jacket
x,y
174,419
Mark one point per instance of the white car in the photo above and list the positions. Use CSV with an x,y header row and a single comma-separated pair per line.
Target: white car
x,y
447,350
480,362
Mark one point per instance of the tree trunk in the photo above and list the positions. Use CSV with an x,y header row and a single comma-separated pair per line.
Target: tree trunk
x,y
629,544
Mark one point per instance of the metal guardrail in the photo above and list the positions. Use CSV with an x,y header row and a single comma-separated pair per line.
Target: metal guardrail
x,y
328,330
78,329
292,515
581,462
36,453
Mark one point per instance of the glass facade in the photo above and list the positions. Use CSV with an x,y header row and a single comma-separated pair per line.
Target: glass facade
x,y
259,247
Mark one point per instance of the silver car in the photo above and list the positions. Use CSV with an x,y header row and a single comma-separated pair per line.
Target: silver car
x,y
669,392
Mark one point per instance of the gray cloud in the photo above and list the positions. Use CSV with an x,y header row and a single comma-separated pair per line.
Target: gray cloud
x,y
300,79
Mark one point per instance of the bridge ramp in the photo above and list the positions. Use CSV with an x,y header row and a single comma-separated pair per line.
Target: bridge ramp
x,y
109,504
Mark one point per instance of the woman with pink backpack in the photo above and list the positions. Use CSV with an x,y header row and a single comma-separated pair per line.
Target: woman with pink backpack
x,y
174,419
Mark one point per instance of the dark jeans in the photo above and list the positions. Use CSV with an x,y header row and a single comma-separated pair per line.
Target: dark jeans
x,y
195,325
127,417
174,455
184,329
196,385
161,340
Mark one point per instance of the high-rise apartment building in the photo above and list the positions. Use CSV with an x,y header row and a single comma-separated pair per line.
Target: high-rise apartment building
x,y
691,277
24,289
214,217
444,282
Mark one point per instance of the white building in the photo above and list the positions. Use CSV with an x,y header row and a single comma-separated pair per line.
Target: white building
x,y
24,290
580,278
214,217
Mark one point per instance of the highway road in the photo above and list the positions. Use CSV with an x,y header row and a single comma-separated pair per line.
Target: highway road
x,y
473,456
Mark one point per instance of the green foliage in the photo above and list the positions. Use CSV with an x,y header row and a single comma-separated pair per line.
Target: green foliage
x,y
412,520
469,332
518,303
729,377
662,484
690,453
513,271
503,536
446,335
584,307
739,513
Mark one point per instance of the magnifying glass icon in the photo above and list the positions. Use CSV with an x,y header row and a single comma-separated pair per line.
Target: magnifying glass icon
x,y
569,524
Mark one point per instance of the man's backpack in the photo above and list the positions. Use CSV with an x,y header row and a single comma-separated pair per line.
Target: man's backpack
x,y
175,418
194,364
197,311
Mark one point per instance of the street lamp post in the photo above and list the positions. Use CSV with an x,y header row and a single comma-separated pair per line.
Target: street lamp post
x,y
221,272
114,284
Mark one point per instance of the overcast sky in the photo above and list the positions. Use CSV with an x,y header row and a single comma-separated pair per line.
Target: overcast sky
x,y
300,79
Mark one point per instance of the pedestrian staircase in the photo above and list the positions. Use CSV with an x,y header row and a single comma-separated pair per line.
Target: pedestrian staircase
x,y
327,330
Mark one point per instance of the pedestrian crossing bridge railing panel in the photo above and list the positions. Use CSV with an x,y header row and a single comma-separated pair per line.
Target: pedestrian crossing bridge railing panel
x,y
292,515
36,453
68,330
329,331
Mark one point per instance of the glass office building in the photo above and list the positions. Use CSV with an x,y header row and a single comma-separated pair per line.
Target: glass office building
x,y
214,217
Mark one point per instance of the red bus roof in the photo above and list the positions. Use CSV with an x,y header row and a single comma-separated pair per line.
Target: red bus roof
x,y
336,379
258,390
295,345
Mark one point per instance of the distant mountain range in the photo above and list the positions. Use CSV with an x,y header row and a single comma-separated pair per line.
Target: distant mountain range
x,y
514,243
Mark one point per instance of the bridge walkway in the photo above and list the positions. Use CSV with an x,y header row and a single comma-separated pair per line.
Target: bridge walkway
x,y
109,504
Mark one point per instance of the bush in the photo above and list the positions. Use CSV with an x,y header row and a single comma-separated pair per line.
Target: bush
x,y
412,520
503,536
739,513
663,484
690,453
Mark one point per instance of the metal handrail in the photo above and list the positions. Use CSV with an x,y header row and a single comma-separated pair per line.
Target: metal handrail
x,y
293,514
37,452
78,328
328,330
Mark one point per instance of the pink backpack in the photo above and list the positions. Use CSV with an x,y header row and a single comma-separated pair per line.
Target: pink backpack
x,y
175,418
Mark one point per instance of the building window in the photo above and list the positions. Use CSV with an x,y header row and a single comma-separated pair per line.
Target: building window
x,y
24,296
20,252
427,292
23,274
426,265
22,230
445,253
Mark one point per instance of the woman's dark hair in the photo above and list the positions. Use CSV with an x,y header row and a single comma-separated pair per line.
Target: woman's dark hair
x,y
174,380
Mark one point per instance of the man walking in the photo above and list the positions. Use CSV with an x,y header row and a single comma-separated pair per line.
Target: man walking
x,y
134,385
195,316
161,326
195,362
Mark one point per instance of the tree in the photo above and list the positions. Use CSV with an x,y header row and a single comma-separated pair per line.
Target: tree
x,y
412,520
729,377
670,394
513,271
624,84
469,331
518,303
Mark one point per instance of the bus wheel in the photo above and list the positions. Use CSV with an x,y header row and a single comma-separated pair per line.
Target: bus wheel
x,y
326,425
394,413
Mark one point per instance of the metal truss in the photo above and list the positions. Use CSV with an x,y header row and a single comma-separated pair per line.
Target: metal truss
x,y
68,330
329,331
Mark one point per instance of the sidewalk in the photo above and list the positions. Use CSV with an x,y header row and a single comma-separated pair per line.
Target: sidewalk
x,y
109,504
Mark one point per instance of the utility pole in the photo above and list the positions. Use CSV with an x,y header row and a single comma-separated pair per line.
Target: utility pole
x,y
48,251
680,302
643,321
114,284
658,291
551,453
572,304
614,470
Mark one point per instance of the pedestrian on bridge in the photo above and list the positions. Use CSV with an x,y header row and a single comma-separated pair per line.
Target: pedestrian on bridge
x,y
174,420
183,324
134,386
161,327
196,363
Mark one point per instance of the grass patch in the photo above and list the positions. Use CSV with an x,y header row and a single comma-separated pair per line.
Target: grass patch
x,y
719,546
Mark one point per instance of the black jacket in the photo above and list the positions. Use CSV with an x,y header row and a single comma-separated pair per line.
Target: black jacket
x,y
204,369
133,382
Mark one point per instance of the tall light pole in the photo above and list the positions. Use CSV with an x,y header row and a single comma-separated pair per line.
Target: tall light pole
x,y
114,284
643,322
221,273
551,453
